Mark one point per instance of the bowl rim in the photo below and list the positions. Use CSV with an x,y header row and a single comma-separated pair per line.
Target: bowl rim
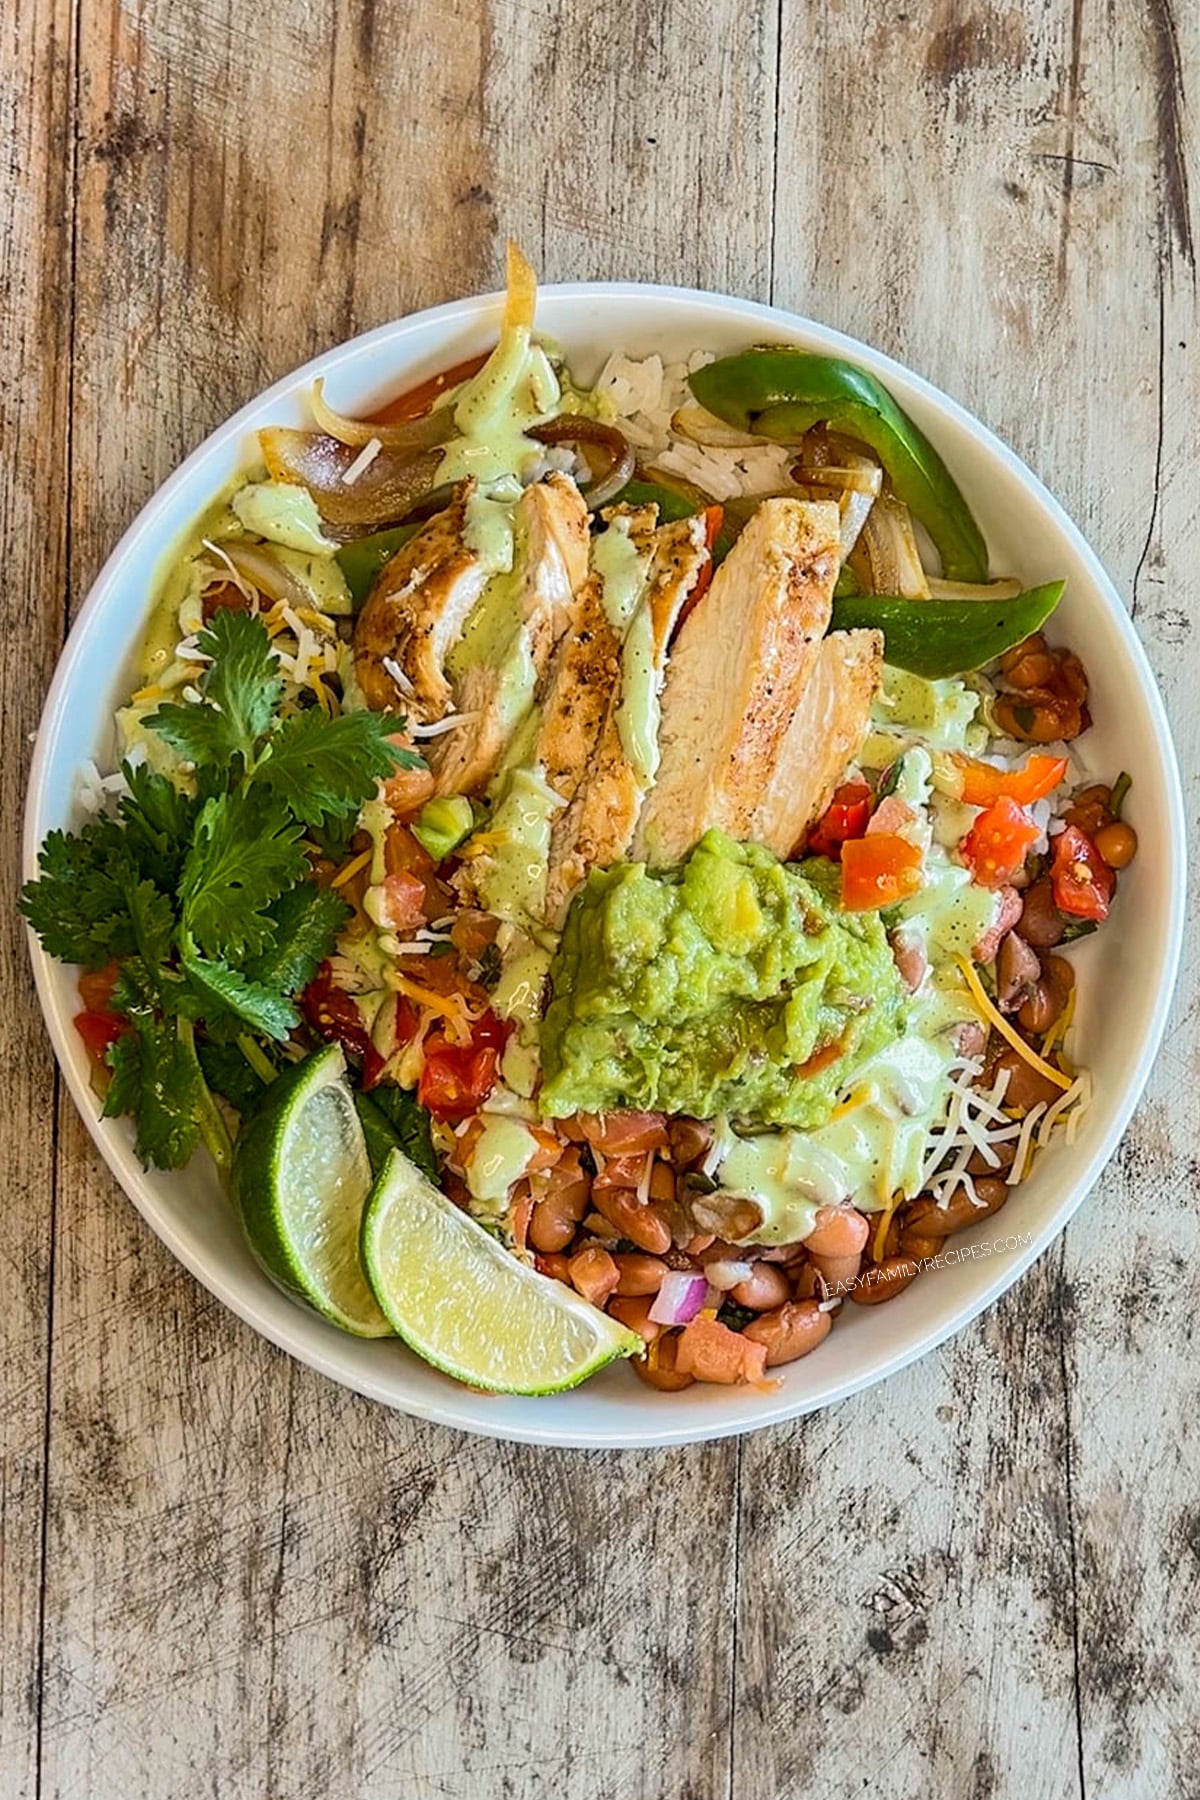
x,y
227,1286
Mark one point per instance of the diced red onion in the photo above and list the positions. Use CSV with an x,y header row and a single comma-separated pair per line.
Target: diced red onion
x,y
679,1299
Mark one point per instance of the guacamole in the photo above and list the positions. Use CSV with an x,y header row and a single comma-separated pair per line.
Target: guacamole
x,y
732,984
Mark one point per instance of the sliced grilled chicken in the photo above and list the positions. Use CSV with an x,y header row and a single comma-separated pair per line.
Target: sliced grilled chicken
x,y
826,733
596,828
415,612
550,531
736,674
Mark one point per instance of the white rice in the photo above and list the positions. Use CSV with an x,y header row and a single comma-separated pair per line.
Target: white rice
x,y
646,393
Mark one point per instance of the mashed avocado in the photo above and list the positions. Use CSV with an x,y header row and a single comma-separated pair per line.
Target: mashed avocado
x,y
729,985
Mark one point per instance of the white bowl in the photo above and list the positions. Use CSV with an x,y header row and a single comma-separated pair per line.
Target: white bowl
x,y
1126,975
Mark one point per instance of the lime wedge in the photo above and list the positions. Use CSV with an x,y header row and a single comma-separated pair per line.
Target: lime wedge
x,y
300,1178
460,1300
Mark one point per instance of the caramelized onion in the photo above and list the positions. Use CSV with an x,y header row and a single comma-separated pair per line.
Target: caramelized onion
x,y
590,434
383,494
432,428
255,564
886,559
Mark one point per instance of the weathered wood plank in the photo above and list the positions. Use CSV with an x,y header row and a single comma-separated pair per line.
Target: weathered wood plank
x,y
258,1584
1131,1288
36,84
943,1536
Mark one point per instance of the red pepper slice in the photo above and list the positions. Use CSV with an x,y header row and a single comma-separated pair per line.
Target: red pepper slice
x,y
1081,880
333,1014
998,842
982,785
419,400
846,817
96,987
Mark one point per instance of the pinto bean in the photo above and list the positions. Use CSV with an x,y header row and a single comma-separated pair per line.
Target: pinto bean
x,y
634,1310
662,1183
1009,907
1006,1152
1042,925
932,1220
806,1283
839,1273
594,1273
552,1224
883,1281
556,1266
658,1370
639,1274
767,1286
730,1216
839,1231
913,1244
790,1331
691,1139
1026,1088
645,1225
1017,970
1041,1007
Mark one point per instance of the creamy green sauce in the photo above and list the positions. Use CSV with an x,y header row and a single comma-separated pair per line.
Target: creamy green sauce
x,y
873,1147
515,388
639,712
501,1156
518,996
938,714
512,878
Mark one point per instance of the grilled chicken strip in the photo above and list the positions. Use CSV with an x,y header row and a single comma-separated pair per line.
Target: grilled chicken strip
x,y
550,531
826,733
736,674
416,612
596,828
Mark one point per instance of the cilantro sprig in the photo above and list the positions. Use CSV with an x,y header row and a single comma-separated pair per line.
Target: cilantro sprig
x,y
200,888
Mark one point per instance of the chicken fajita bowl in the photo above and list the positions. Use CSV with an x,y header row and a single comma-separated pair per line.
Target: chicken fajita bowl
x,y
595,861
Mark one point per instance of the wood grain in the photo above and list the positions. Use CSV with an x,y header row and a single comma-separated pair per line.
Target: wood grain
x,y
220,1575
36,95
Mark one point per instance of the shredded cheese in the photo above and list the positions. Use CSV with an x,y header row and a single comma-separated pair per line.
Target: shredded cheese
x,y
999,1023
885,1221
362,461
1024,1154
349,870
451,1007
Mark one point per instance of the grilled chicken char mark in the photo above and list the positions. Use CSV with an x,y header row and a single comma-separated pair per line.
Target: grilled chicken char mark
x,y
550,532
735,676
826,733
415,613
596,828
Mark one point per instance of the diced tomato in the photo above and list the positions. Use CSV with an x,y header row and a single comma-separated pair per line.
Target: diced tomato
x,y
418,400
98,1030
1082,881
998,842
620,1172
334,1016
846,817
624,1133
403,855
457,1078
96,987
407,791
878,871
982,785
402,907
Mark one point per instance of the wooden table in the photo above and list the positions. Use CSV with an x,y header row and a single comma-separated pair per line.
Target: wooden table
x,y
223,1575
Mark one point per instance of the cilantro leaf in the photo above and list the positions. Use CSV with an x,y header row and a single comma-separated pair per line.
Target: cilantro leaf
x,y
262,1008
158,820
307,920
327,767
241,690
78,905
152,921
229,1074
392,1113
245,852
156,1079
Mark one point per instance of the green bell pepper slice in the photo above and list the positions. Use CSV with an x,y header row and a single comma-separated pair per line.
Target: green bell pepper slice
x,y
681,502
362,559
940,638
780,393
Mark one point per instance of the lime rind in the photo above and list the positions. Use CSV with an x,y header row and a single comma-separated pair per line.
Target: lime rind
x,y
464,1303
300,1179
